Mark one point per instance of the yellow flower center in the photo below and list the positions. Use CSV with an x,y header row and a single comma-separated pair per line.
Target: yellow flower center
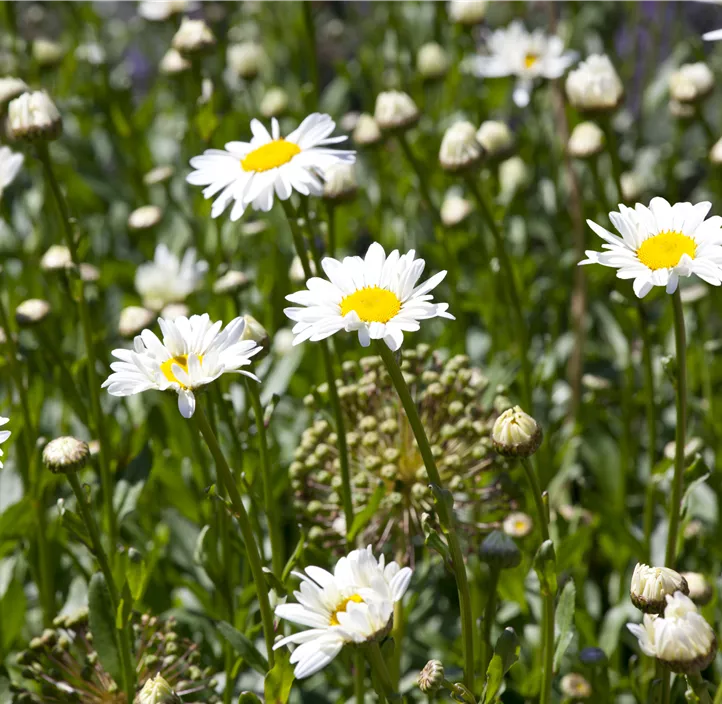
x,y
341,608
271,155
530,60
665,250
182,361
372,304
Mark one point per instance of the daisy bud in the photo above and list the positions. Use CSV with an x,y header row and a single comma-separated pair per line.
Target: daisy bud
x,y
88,272
173,63
454,210
33,116
513,176
340,182
691,82
496,138
700,590
594,85
193,37
715,154
395,110
517,524
367,131
459,148
245,59
65,455
575,686
156,690
133,320
31,312
432,61
256,332
145,217
500,551
650,586
46,52
586,140
467,12
632,185
682,111
516,434
160,174
10,88
274,102
681,640
57,258
175,310
431,678
231,282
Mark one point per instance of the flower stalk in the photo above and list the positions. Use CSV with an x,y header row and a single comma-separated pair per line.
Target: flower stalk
x,y
378,666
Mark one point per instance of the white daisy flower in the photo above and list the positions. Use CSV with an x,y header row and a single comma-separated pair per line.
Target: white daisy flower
x,y
714,36
4,435
168,279
250,172
10,165
355,604
515,52
376,296
193,353
159,10
660,243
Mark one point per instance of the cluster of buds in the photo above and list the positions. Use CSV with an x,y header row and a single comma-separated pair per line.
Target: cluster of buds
x,y
62,665
384,456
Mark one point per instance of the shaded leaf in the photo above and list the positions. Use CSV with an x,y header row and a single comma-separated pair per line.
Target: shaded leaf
x,y
506,653
277,685
101,617
243,646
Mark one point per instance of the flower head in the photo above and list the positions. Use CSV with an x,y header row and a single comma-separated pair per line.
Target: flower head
x,y
274,102
4,435
194,352
340,183
454,210
367,131
516,434
193,37
134,319
700,590
660,243
518,524
168,279
432,61
11,87
355,604
650,586
395,110
594,85
249,173
33,116
159,10
459,148
173,63
245,59
156,690
468,12
496,138
376,296
576,686
431,677
586,140
516,52
65,455
691,82
31,312
145,217
681,640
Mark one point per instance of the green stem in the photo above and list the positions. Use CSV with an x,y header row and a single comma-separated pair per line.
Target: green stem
x,y
446,517
378,665
509,273
331,217
92,528
678,480
312,51
239,510
274,527
489,614
359,677
94,387
699,686
613,151
718,695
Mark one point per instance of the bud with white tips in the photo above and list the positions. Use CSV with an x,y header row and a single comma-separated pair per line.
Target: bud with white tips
x,y
459,147
46,52
575,686
231,282
454,210
431,678
145,217
691,82
65,455
496,138
156,690
651,585
594,85
700,590
274,102
254,331
173,63
366,132
395,110
516,434
56,258
193,37
31,312
432,61
245,59
159,174
11,87
33,117
133,320
585,141
175,310
467,12
513,176
340,182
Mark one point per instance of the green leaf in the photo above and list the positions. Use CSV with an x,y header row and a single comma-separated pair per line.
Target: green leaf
x,y
243,646
248,698
362,518
506,653
137,574
564,621
545,567
277,685
74,525
101,617
445,502
293,560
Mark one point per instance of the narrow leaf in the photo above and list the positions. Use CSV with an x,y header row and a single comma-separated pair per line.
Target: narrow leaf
x,y
243,646
101,616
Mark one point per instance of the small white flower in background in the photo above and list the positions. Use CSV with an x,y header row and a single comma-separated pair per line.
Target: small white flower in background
x,y
650,586
249,173
691,82
467,12
681,640
459,147
700,590
92,53
31,312
454,210
168,279
193,37
33,116
349,120
575,686
10,88
230,282
159,10
715,154
395,110
586,140
159,174
246,59
46,52
432,61
515,52
274,102
340,182
594,85
194,352
56,258
660,243
10,165
175,310
714,36
134,319
633,184
366,132
156,690
495,137
296,272
376,296
145,217
516,433
513,176
173,63
255,332
355,604
4,435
